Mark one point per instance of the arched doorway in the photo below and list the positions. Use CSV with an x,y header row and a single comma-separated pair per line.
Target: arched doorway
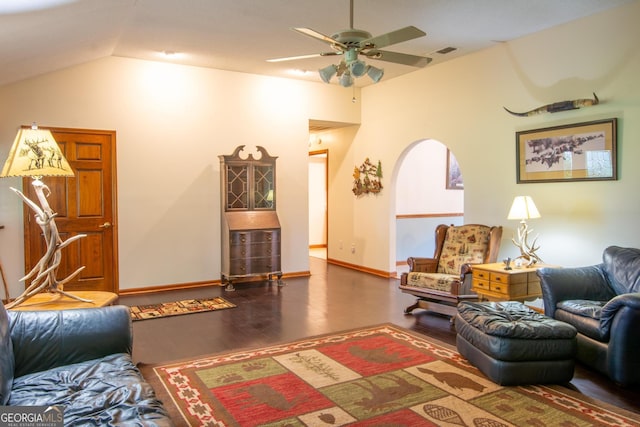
x,y
429,191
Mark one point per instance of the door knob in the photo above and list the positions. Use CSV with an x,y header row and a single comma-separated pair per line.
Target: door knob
x,y
105,225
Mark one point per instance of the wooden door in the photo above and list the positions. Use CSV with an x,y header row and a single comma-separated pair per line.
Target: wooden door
x,y
84,204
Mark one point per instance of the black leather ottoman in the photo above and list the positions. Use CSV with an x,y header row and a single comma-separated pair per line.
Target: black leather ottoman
x,y
513,344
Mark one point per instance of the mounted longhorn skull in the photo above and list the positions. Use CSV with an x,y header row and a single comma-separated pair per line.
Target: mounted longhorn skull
x,y
559,106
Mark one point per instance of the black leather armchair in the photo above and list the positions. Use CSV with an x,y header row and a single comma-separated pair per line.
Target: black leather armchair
x,y
603,303
80,360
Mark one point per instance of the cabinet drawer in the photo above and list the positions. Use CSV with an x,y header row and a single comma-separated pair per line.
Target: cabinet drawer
x,y
507,278
501,288
480,274
254,236
480,284
254,250
255,265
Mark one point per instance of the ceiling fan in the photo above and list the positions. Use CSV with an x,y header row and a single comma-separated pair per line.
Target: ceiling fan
x,y
352,43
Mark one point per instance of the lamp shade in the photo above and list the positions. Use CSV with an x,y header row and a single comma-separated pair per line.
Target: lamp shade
x,y
35,153
375,74
358,68
327,72
523,208
346,80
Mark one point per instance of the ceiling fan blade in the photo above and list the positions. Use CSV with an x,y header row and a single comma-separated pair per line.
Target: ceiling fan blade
x,y
398,58
293,58
397,36
319,36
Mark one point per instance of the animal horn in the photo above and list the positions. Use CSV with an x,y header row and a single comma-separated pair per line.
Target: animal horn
x,y
558,106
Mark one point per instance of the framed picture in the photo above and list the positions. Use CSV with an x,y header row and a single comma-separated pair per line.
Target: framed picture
x,y
454,177
578,152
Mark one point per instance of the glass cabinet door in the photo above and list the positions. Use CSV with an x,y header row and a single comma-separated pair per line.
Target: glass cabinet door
x,y
263,190
237,187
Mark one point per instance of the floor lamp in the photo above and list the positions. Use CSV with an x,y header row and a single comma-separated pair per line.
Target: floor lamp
x,y
36,154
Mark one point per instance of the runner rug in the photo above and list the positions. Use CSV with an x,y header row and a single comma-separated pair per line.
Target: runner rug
x,y
383,375
189,306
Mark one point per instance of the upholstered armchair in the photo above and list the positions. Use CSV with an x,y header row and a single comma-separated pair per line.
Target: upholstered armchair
x,y
441,282
603,303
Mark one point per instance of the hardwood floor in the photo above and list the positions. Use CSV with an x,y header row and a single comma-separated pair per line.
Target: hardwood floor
x,y
332,299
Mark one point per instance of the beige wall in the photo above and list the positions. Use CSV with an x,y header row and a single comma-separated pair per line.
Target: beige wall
x,y
172,122
460,103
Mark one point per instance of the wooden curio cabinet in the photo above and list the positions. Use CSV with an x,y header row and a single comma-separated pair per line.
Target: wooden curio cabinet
x,y
250,226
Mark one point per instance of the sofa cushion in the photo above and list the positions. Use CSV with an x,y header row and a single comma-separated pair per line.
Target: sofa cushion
x,y
434,281
103,392
584,315
584,308
585,325
6,357
622,266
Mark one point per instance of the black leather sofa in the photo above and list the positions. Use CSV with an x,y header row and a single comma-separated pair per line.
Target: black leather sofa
x,y
80,360
603,303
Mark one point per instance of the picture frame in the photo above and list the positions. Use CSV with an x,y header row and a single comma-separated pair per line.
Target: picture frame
x,y
454,176
576,152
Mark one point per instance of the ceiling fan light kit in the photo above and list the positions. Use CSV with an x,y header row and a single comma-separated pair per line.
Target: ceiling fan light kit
x,y
346,80
353,42
374,73
358,68
327,73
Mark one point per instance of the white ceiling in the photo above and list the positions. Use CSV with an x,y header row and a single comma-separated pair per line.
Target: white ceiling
x,y
240,35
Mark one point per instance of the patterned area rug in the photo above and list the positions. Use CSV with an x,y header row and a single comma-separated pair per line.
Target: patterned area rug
x,y
189,306
383,375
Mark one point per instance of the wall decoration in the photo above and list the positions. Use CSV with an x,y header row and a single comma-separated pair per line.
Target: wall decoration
x,y
454,176
559,106
367,178
577,152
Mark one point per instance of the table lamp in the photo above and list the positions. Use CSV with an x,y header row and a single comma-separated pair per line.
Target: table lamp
x,y
523,209
35,153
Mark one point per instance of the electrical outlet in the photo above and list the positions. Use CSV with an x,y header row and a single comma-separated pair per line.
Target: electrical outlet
x,y
340,245
353,248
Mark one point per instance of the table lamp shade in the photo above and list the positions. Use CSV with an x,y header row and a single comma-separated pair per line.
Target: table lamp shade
x,y
35,153
523,208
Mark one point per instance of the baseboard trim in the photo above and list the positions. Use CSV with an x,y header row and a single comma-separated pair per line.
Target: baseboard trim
x,y
385,274
192,285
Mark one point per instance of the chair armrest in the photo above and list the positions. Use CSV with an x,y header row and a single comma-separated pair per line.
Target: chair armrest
x,y
561,284
466,269
422,265
44,340
623,313
611,309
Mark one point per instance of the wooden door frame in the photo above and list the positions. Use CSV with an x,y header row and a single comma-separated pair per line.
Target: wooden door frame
x,y
326,192
114,199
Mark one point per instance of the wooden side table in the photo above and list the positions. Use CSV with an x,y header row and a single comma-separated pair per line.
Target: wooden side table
x,y
54,301
492,282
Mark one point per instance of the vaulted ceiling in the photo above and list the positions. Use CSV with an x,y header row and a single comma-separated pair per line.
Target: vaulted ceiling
x,y
240,35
